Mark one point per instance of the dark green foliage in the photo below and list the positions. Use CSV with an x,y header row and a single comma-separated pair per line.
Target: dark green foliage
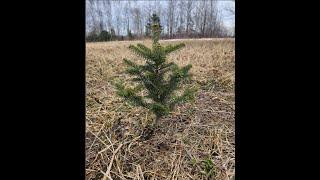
x,y
208,168
112,34
130,35
154,18
104,36
92,37
160,80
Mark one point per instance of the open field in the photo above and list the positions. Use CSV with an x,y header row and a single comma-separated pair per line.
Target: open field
x,y
190,138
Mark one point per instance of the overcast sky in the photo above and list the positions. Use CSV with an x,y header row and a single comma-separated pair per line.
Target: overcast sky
x,y
228,18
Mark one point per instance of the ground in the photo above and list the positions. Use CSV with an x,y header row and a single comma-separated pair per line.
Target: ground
x,y
196,141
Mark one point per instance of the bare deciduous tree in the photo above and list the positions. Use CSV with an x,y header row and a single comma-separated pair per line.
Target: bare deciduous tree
x,y
171,13
92,20
126,19
189,22
118,18
213,18
185,18
136,14
106,8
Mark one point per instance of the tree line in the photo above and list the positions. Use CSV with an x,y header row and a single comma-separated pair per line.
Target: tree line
x,y
124,20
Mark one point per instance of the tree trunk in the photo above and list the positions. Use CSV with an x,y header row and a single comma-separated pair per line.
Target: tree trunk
x,y
204,23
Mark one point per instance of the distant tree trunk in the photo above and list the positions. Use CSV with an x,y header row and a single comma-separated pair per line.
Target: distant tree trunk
x,y
180,18
171,6
106,4
189,9
100,20
136,13
204,22
118,18
127,17
169,18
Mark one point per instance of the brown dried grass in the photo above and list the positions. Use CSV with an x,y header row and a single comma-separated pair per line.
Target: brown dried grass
x,y
189,135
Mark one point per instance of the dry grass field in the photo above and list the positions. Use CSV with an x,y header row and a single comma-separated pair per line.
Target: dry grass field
x,y
196,141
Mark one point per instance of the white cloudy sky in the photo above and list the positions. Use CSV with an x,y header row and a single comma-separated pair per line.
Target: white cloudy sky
x,y
228,18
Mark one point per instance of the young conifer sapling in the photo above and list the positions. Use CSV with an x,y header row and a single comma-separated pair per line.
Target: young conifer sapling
x,y
158,78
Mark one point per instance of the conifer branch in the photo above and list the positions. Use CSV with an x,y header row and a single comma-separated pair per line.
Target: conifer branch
x,y
168,49
188,95
141,52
